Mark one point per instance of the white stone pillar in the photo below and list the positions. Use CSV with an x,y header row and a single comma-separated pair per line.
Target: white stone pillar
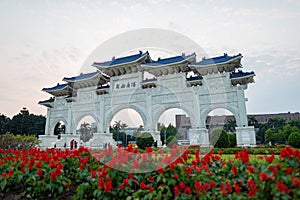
x,y
245,136
47,127
243,120
199,136
156,137
69,120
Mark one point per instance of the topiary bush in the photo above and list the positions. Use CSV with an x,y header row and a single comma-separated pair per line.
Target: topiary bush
x,y
294,139
232,140
171,140
219,138
144,140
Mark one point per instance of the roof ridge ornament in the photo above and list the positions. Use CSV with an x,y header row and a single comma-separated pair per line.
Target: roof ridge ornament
x,y
141,52
113,58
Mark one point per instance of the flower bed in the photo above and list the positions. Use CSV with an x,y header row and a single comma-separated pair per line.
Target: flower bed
x,y
78,174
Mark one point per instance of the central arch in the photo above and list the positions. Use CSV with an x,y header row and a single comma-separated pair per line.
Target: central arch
x,y
113,111
161,109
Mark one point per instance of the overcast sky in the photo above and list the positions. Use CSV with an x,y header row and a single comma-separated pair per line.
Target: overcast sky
x,y
44,41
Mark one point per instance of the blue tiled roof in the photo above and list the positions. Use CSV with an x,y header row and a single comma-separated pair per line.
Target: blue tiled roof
x,y
47,101
57,87
80,77
217,60
121,60
194,78
240,74
170,60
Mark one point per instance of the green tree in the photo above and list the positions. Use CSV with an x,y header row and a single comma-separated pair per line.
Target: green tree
x,y
252,121
4,120
85,132
219,138
270,135
276,123
294,139
232,140
171,140
25,123
144,140
166,132
223,141
260,135
230,125
287,130
295,122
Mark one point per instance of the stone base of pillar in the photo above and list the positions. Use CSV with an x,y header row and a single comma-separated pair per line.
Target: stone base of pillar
x,y
199,137
156,137
65,139
47,141
101,141
245,136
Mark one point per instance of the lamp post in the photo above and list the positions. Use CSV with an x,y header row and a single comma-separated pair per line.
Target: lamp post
x,y
165,140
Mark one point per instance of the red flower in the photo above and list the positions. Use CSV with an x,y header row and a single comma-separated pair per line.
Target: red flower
x,y
234,170
181,185
213,184
288,170
273,169
220,152
176,191
252,188
243,156
187,190
176,176
270,158
126,181
250,169
108,185
130,175
263,176
40,172
282,187
296,182
237,188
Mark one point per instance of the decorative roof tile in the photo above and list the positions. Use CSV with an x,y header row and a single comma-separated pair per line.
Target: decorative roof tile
x,y
118,61
170,60
241,74
57,87
47,101
218,60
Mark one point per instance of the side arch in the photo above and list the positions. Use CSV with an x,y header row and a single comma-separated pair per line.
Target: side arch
x,y
233,109
54,122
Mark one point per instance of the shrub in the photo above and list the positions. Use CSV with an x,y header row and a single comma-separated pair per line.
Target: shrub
x,y
18,141
144,140
232,140
223,141
294,139
171,140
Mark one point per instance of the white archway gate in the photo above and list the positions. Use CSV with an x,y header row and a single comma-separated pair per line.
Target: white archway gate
x,y
120,84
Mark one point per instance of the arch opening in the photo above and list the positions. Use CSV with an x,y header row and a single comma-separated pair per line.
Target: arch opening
x,y
86,128
221,118
59,128
174,122
125,125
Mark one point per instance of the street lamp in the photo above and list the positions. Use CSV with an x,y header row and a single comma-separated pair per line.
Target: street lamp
x,y
165,140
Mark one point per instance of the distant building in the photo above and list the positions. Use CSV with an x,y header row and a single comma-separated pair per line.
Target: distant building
x,y
183,123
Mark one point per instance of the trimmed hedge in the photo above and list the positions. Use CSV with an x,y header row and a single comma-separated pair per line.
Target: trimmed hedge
x,y
253,150
18,141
